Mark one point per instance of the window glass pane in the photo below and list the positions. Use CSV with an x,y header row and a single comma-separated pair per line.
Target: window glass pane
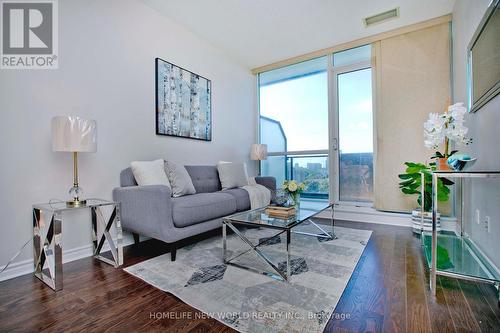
x,y
313,172
352,56
355,135
272,134
294,71
297,97
274,166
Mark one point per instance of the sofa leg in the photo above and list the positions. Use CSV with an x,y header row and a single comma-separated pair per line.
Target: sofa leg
x,y
173,252
136,238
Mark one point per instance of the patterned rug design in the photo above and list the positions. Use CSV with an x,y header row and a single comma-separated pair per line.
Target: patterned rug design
x,y
251,302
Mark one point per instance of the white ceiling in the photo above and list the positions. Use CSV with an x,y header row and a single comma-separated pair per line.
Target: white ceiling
x,y
259,32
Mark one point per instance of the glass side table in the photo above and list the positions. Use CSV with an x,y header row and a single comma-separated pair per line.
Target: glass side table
x,y
47,237
462,258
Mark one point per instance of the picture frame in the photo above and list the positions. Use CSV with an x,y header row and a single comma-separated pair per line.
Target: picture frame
x,y
183,102
483,60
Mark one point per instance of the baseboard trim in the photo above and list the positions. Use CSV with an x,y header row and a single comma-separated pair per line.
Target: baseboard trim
x,y
370,215
17,269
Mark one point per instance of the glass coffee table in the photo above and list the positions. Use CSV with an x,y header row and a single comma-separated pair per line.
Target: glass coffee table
x,y
259,218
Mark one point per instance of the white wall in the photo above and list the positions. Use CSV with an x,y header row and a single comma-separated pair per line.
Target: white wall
x,y
484,128
106,72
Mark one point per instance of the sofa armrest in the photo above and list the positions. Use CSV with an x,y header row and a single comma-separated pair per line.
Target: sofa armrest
x,y
269,182
146,210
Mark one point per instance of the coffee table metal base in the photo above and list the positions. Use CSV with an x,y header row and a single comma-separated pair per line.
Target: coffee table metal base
x,y
276,273
323,233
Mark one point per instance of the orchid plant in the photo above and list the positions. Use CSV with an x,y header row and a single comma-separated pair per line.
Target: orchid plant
x,y
446,127
438,129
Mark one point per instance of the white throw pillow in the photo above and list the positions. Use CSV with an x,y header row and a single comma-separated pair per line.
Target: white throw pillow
x,y
150,173
232,175
179,179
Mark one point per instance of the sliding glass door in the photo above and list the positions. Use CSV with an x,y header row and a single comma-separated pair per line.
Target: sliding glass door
x,y
316,118
352,127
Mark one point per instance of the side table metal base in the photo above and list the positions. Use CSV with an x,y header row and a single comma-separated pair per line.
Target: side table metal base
x,y
116,250
47,251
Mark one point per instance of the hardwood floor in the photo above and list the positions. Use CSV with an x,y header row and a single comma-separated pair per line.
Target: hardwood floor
x,y
388,292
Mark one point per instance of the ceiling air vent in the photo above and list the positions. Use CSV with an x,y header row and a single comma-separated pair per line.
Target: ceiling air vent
x,y
387,15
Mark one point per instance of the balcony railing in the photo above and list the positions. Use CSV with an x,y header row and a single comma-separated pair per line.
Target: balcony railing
x,y
355,174
311,169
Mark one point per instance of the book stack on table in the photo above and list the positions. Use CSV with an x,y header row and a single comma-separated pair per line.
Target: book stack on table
x,y
280,212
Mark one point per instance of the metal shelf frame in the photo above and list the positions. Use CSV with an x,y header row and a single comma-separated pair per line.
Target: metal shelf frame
x,y
461,175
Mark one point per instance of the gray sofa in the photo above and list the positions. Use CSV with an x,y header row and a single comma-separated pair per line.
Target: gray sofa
x,y
151,211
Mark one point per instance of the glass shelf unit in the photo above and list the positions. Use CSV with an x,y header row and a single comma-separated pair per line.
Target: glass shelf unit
x,y
459,255
456,255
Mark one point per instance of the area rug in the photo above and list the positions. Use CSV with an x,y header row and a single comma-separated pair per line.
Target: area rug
x,y
251,302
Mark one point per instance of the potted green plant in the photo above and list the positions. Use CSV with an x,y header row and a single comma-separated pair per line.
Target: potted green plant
x,y
411,184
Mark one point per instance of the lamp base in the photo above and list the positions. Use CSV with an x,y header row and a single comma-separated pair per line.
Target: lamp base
x,y
76,203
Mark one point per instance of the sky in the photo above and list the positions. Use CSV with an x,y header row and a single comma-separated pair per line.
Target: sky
x,y
301,105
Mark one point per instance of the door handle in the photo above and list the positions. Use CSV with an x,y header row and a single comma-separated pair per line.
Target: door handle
x,y
335,144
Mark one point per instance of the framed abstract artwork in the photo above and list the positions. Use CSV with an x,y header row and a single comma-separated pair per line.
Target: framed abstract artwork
x,y
183,102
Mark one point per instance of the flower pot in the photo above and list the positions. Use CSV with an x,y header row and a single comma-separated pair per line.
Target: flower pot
x,y
427,225
442,164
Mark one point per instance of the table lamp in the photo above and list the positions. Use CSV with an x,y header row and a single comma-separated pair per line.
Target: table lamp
x,y
258,152
76,135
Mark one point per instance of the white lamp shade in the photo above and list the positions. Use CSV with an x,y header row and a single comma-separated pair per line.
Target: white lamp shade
x,y
258,152
74,134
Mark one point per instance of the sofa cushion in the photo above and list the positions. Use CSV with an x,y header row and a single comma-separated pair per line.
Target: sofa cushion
x,y
179,179
242,198
200,207
205,178
232,175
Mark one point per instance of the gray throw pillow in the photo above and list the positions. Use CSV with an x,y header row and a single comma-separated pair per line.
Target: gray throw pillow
x,y
232,175
180,181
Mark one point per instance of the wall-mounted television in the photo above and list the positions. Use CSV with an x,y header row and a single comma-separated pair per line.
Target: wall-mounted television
x,y
484,59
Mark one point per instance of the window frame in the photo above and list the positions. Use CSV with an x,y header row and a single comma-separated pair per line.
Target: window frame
x,y
333,126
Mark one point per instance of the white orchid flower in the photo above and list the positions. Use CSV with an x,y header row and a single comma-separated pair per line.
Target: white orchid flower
x,y
450,125
457,111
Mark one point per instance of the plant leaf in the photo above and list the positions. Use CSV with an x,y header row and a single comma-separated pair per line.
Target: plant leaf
x,y
409,191
442,196
446,181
